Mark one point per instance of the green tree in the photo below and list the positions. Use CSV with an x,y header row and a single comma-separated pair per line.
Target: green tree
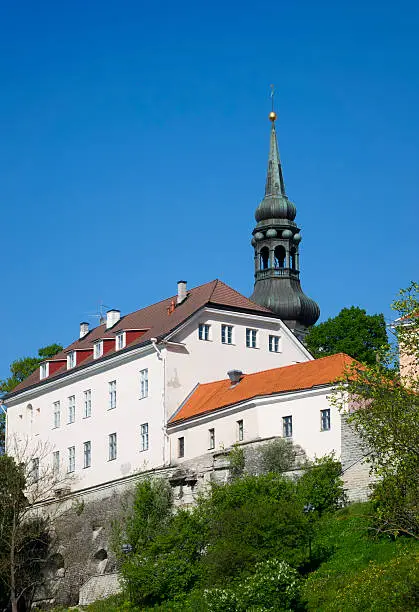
x,y
352,331
22,368
321,485
277,456
384,412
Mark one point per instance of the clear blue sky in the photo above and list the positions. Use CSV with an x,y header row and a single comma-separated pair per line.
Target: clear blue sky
x,y
134,139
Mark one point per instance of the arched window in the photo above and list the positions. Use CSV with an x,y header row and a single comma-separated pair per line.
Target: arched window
x,y
279,254
293,259
264,258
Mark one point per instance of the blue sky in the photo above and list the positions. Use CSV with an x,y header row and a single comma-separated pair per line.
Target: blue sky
x,y
134,139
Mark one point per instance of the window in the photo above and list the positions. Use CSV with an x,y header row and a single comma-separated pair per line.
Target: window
x,y
325,419
120,341
144,437
57,414
112,394
98,349
227,334
211,434
56,462
71,408
251,337
112,446
35,469
274,344
87,410
44,370
181,447
143,383
87,454
71,459
203,331
240,430
71,360
287,426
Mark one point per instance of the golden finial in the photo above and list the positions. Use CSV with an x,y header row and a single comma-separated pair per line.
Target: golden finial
x,y
272,114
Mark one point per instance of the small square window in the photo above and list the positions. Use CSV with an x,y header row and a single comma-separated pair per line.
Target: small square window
x,y
211,437
71,459
325,419
112,446
251,338
274,344
71,409
44,370
143,383
240,430
120,341
287,426
204,331
227,334
144,437
71,360
98,349
112,394
181,447
87,454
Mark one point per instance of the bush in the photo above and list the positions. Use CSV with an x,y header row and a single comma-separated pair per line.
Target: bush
x,y
321,485
277,456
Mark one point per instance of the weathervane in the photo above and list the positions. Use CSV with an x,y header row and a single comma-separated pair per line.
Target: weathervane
x,y
272,114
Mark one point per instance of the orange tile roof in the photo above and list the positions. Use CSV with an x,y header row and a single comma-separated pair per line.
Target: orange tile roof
x,y
220,394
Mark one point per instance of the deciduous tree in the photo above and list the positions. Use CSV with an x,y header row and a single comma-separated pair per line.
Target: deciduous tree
x,y
22,368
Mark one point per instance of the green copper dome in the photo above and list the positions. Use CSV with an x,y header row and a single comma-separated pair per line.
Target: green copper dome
x,y
275,207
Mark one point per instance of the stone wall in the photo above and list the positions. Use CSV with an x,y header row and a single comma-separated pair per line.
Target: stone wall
x,y
355,466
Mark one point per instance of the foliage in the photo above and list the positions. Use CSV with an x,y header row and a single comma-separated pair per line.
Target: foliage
x,y
22,368
321,485
277,456
237,462
352,331
353,555
384,412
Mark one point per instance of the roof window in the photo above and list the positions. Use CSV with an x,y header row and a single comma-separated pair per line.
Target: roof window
x,y
98,349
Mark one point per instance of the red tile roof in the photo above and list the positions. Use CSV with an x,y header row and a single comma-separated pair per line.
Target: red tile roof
x,y
156,322
220,394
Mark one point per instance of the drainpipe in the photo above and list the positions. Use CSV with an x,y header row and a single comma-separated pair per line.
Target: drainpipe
x,y
164,424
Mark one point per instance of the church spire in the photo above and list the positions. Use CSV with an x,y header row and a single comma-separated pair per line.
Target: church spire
x,y
276,240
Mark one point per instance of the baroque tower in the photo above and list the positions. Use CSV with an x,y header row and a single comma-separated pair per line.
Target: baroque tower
x,y
276,240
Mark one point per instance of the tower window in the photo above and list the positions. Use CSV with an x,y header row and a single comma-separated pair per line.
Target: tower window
x,y
287,426
264,258
227,334
274,344
279,256
204,331
251,338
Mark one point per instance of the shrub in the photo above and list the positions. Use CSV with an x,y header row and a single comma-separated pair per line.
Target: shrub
x,y
277,456
321,485
237,462
274,586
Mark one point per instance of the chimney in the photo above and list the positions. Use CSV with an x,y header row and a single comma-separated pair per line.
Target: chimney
x,y
84,329
235,376
112,317
181,291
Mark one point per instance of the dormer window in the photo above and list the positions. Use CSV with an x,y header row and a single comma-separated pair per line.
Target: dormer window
x,y
98,349
71,360
44,370
120,341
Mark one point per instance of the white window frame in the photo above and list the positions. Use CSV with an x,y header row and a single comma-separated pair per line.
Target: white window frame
x,y
71,409
56,462
44,370
144,383
240,430
71,360
275,344
57,415
251,337
35,469
144,437
112,446
112,394
98,349
226,334
87,454
287,426
120,341
211,438
204,332
325,413
71,459
87,403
